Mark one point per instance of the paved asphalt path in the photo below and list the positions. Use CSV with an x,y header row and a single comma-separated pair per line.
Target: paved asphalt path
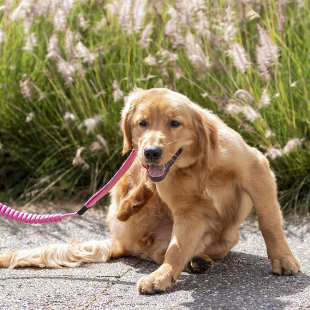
x,y
241,281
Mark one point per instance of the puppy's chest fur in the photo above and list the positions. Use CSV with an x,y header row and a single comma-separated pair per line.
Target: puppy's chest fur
x,y
183,189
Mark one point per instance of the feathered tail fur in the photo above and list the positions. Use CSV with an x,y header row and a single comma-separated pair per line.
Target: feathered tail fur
x,y
64,255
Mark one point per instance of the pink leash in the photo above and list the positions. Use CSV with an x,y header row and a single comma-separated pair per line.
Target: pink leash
x,y
53,218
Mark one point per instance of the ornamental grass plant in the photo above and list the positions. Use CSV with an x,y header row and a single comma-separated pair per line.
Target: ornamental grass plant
x,y
66,66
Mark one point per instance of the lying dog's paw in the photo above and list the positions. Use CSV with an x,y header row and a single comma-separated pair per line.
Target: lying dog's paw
x,y
156,282
200,264
286,265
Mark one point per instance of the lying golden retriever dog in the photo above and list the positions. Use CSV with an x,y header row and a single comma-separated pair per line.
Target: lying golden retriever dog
x,y
184,210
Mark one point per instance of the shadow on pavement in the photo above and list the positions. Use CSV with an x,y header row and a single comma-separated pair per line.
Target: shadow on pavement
x,y
240,281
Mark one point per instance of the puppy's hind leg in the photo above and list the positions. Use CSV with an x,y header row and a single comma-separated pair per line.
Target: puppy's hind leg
x,y
68,255
199,264
226,241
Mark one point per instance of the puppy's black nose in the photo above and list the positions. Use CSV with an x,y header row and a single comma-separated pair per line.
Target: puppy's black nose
x,y
153,153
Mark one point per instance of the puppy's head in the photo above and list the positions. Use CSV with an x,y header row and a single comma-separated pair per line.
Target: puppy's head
x,y
168,132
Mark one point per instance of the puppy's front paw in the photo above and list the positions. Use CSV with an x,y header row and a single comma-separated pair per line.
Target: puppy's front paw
x,y
286,265
156,282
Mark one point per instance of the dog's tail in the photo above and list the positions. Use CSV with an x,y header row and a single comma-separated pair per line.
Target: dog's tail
x,y
67,255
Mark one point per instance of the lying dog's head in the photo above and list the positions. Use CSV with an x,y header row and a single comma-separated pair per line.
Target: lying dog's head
x,y
168,131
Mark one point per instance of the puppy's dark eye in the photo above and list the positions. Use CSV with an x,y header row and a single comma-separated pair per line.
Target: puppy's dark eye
x,y
142,123
174,124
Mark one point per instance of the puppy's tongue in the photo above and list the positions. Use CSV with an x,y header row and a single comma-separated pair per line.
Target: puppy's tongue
x,y
156,171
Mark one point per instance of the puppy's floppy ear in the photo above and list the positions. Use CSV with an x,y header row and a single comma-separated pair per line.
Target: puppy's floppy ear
x,y
126,129
126,118
207,138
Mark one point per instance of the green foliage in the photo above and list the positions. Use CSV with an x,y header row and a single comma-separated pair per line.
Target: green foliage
x,y
60,102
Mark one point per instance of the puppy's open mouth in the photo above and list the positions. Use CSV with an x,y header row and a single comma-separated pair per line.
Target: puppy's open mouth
x,y
158,172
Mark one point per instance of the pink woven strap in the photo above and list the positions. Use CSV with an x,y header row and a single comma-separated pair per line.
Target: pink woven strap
x,y
129,161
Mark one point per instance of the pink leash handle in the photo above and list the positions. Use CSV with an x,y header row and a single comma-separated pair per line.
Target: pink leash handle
x,y
53,218
31,218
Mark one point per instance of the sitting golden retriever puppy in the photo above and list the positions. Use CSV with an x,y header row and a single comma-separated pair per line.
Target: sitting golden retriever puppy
x,y
185,208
